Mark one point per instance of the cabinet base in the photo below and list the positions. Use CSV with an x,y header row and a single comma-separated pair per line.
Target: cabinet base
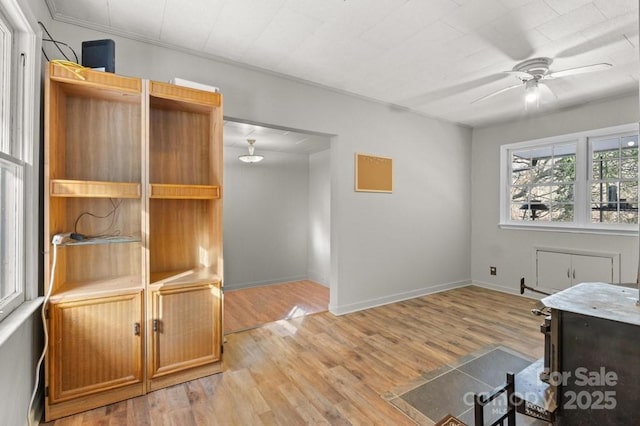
x,y
78,405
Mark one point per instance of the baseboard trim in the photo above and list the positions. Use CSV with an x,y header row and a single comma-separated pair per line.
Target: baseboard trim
x,y
398,297
240,286
508,290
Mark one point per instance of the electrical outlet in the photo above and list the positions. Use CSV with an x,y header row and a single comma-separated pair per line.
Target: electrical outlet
x,y
492,270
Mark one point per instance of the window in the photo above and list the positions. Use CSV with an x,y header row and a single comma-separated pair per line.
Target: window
x,y
614,179
585,180
18,188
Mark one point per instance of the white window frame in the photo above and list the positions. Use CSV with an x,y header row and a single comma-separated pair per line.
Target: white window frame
x,y
582,202
19,147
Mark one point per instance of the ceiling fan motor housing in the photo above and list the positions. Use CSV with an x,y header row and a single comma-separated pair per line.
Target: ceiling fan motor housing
x,y
535,67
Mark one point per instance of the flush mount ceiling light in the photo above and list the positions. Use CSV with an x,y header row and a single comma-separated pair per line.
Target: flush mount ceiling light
x,y
251,158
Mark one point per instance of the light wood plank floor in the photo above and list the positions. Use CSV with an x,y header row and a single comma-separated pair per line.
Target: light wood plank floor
x,y
323,369
252,307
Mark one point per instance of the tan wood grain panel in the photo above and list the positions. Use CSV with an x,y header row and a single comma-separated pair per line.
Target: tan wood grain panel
x,y
189,192
89,79
101,141
93,345
179,148
102,262
94,189
182,234
184,328
98,288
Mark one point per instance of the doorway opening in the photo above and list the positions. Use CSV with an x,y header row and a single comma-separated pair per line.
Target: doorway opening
x,y
276,223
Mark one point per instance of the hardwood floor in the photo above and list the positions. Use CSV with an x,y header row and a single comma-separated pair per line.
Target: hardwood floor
x,y
323,369
252,307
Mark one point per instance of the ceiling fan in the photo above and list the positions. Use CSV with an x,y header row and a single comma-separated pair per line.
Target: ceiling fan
x,y
533,72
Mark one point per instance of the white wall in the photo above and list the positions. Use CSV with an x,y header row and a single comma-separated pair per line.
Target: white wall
x,y
266,218
512,251
384,247
21,332
18,357
319,251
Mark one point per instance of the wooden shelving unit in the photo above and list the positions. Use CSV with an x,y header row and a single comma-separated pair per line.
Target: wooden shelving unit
x,y
135,166
185,229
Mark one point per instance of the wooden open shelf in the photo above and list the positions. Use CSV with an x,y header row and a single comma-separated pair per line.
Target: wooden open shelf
x,y
192,276
115,239
184,192
98,288
93,189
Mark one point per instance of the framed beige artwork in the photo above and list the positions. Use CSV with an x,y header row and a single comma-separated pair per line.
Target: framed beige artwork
x,y
373,173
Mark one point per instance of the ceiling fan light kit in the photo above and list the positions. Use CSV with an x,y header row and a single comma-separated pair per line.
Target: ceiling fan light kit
x,y
532,92
533,72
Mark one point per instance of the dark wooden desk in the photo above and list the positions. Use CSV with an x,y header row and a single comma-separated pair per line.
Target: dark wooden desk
x,y
595,355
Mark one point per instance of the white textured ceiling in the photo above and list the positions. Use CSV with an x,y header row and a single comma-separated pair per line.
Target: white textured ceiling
x,y
270,139
431,56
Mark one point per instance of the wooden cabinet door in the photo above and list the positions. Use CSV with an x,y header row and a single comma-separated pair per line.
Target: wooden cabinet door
x,y
553,270
95,345
591,269
185,323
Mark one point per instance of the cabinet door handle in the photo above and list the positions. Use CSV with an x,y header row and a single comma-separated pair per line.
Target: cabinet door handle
x,y
568,272
574,274
155,325
136,329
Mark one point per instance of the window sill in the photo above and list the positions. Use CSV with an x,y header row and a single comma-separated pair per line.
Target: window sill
x,y
10,324
570,229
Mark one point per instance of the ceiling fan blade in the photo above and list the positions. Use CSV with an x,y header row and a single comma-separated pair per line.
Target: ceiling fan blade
x,y
522,75
491,95
578,70
445,92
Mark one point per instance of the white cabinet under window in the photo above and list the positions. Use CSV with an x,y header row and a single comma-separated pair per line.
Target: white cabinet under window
x,y
558,270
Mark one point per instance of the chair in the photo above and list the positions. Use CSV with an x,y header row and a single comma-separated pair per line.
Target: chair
x,y
481,400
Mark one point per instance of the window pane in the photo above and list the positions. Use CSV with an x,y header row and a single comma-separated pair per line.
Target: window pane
x,y
563,193
629,146
629,216
604,216
519,194
614,188
629,192
562,213
542,177
541,194
604,193
10,229
628,168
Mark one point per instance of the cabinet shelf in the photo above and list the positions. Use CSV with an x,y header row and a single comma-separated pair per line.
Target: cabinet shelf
x,y
98,288
184,192
191,276
115,239
93,189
